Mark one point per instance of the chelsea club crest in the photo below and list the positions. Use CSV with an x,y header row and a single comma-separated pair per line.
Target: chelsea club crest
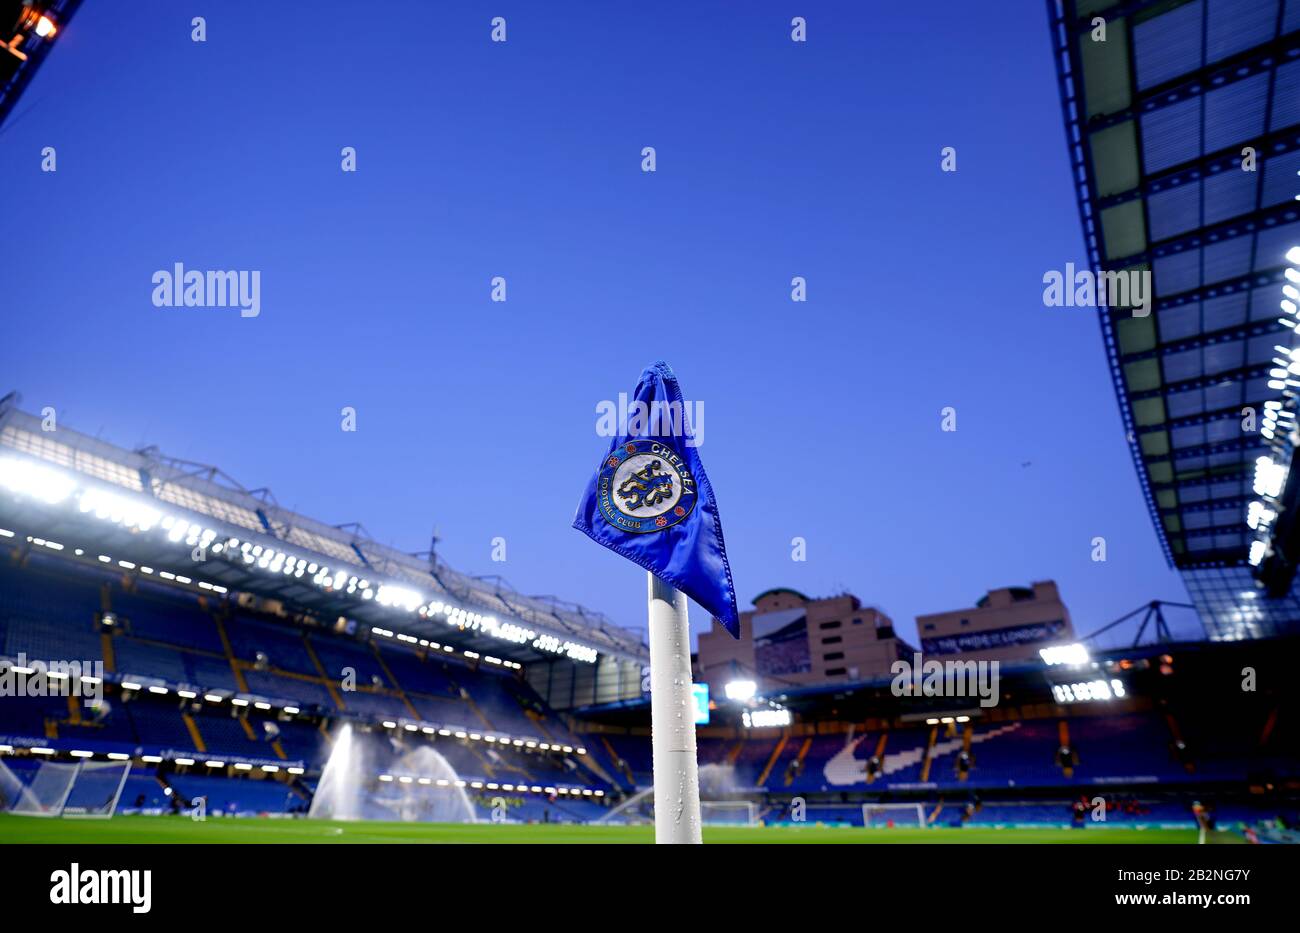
x,y
645,486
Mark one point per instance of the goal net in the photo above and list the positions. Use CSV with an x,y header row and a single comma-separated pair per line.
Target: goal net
x,y
96,789
54,788
911,815
728,812
639,809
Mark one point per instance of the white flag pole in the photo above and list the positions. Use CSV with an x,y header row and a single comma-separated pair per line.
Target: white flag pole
x,y
672,718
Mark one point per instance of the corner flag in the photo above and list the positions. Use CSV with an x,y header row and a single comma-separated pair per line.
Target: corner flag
x,y
651,501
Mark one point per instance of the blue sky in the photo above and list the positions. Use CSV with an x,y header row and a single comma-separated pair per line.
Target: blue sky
x,y
477,159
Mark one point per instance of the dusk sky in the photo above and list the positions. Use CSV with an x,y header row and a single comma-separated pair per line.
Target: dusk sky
x,y
523,160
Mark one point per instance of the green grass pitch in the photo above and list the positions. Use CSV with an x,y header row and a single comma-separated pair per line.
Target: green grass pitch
x,y
166,829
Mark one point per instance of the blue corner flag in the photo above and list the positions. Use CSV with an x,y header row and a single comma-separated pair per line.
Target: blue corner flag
x,y
651,501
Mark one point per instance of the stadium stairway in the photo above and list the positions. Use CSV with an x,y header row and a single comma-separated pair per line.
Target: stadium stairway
x,y
1270,723
796,767
480,755
782,766
196,736
475,708
1179,744
1063,736
619,762
928,757
252,737
772,759
106,645
219,619
324,677
880,753
932,818
74,711
593,766
539,721
392,679
590,761
328,746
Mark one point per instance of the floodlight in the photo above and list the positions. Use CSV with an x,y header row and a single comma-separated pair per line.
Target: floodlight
x,y
741,690
40,482
1073,654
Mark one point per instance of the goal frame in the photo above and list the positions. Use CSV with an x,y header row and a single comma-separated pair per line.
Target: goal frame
x,y
917,808
112,807
749,808
59,810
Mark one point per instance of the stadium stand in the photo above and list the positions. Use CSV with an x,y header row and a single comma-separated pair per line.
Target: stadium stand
x,y
159,636
243,700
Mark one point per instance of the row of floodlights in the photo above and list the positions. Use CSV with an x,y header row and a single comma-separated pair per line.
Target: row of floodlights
x,y
124,564
491,626
1279,418
264,705
423,728
187,694
427,729
159,689
437,646
53,486
214,763
492,785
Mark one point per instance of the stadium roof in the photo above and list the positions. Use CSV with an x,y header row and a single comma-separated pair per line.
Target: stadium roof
x,y
1158,118
28,29
481,610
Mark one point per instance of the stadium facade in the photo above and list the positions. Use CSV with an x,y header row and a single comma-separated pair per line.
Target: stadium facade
x,y
1012,623
1183,128
788,639
791,640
